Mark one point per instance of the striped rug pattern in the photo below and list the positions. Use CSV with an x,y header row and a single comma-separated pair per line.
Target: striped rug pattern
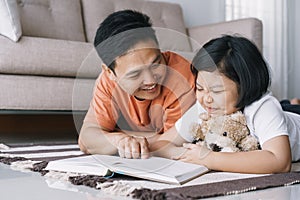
x,y
36,158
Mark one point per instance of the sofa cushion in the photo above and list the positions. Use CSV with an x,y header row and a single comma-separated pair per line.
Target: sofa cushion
x,y
48,57
163,15
45,93
10,25
58,19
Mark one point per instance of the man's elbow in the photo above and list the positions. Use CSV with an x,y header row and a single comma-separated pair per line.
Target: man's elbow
x,y
92,141
84,139
82,146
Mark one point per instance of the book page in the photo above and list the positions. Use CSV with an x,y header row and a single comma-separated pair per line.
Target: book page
x,y
157,168
154,168
84,165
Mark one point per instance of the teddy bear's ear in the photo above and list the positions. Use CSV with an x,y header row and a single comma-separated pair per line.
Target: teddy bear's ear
x,y
200,135
204,116
196,130
239,117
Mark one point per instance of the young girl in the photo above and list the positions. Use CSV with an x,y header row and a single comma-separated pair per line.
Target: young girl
x,y
232,75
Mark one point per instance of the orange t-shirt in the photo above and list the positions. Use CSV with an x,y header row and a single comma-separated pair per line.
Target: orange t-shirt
x,y
111,107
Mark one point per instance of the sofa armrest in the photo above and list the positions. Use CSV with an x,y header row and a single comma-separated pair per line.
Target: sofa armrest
x,y
250,28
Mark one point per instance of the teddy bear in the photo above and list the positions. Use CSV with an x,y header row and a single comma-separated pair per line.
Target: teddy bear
x,y
226,133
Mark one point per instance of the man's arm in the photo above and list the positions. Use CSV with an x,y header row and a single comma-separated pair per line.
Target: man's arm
x,y
94,139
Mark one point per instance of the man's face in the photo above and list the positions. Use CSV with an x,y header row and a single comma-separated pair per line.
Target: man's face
x,y
141,71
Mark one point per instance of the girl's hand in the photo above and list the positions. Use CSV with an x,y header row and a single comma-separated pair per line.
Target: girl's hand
x,y
195,153
166,149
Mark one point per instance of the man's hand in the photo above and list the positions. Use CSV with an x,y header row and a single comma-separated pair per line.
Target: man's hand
x,y
133,147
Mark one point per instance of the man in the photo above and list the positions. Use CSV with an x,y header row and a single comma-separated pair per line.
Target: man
x,y
140,92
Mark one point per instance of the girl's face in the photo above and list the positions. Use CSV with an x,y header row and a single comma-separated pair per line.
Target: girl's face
x,y
216,93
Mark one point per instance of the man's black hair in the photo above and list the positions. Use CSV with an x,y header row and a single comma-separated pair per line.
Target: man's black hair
x,y
239,60
119,32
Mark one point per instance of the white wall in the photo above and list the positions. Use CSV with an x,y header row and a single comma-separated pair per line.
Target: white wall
x,y
199,12
294,50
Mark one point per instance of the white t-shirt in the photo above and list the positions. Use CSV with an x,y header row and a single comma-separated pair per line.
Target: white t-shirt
x,y
265,120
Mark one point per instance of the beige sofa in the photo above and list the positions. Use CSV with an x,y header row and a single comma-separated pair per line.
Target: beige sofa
x,y
53,65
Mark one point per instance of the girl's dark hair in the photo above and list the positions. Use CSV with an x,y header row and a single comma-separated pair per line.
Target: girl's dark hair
x,y
119,32
239,60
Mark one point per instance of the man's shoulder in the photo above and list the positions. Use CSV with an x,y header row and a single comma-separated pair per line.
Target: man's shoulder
x,y
104,83
176,62
179,82
173,59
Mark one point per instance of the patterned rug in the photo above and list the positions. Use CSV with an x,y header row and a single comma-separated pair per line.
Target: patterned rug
x,y
36,158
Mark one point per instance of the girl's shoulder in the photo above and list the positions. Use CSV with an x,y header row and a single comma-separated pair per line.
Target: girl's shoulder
x,y
267,103
262,109
265,118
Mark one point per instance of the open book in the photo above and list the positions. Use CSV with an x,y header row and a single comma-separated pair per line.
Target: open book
x,y
154,168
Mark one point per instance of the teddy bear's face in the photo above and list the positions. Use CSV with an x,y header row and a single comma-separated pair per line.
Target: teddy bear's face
x,y
228,133
224,134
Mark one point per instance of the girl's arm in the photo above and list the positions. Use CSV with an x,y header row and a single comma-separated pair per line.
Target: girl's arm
x,y
168,144
274,157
